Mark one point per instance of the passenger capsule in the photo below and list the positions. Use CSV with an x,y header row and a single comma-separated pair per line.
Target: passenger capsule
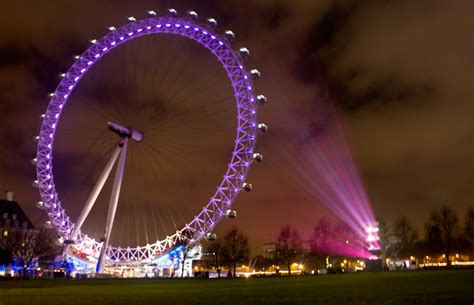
x,y
192,15
39,204
231,214
211,22
262,127
262,100
246,187
255,74
211,236
229,35
257,157
172,12
244,52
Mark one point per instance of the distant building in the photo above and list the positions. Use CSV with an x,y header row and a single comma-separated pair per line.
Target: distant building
x,y
269,250
12,217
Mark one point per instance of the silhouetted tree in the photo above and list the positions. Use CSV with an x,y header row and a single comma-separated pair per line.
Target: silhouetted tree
x,y
288,246
441,228
406,237
386,246
236,248
321,238
469,227
6,257
218,255
28,246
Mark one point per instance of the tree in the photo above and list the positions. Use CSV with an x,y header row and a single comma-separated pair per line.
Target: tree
x,y
321,241
218,255
236,248
469,226
442,227
406,237
288,246
30,246
6,257
386,247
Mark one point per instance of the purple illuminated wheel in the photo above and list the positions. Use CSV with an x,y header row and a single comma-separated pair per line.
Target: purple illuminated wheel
x,y
243,154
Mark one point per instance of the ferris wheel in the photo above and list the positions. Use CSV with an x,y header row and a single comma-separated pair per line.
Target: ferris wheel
x,y
234,180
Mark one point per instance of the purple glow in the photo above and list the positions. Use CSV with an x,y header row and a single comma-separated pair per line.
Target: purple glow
x,y
325,169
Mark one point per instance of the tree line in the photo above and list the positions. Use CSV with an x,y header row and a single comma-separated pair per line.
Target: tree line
x,y
444,233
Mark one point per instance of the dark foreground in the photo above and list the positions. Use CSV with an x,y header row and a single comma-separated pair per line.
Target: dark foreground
x,y
404,288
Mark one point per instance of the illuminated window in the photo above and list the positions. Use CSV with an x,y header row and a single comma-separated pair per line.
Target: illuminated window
x,y
5,233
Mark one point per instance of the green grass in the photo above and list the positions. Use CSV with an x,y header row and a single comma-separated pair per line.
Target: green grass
x,y
421,287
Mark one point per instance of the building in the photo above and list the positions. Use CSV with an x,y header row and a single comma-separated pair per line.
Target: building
x,y
12,217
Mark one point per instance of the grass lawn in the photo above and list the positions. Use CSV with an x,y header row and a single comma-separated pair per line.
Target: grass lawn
x,y
450,287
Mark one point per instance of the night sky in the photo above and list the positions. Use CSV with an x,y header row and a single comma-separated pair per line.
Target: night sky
x,y
400,75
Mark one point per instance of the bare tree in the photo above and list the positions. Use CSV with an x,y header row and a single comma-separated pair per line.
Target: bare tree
x,y
29,246
6,257
321,241
442,227
469,226
236,248
406,237
288,246
218,255
386,247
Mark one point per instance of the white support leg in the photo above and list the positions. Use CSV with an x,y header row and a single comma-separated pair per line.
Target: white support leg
x,y
95,192
113,205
